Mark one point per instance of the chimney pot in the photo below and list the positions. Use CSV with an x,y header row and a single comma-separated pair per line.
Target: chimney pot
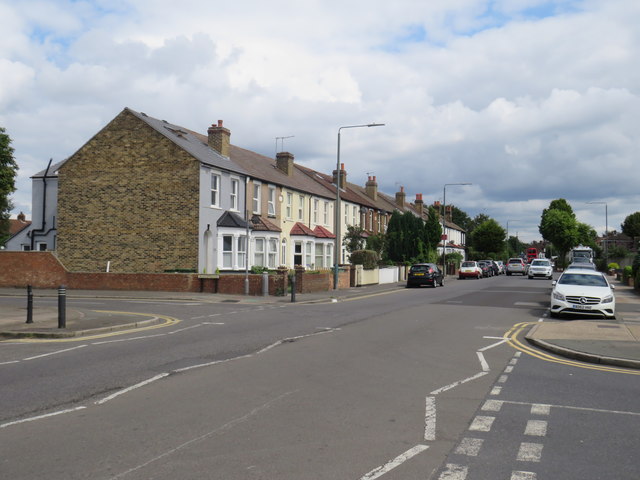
x,y
219,123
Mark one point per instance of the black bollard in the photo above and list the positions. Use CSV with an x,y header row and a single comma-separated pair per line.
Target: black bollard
x,y
293,287
29,304
62,307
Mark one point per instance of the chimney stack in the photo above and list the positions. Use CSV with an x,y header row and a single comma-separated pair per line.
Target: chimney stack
x,y
284,162
22,217
419,204
449,213
400,197
371,188
219,138
343,177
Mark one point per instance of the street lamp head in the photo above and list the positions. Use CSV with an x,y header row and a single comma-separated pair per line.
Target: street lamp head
x,y
376,125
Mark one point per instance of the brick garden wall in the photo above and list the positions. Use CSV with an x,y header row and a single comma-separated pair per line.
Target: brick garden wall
x,y
44,270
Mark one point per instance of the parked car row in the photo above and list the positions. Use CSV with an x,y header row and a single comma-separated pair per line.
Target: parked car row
x,y
479,269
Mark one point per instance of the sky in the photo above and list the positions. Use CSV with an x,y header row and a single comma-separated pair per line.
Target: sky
x,y
527,100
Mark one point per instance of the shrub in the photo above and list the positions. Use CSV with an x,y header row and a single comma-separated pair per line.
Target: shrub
x,y
259,270
613,266
367,258
627,273
636,283
636,264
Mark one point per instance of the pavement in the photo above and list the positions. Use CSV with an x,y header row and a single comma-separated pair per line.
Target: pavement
x,y
607,342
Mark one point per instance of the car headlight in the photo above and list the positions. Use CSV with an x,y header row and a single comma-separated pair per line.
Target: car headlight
x,y
608,299
558,296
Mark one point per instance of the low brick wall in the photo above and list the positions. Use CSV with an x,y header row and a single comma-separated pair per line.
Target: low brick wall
x,y
39,269
43,270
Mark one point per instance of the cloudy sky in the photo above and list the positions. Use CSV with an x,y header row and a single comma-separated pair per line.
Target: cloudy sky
x,y
528,100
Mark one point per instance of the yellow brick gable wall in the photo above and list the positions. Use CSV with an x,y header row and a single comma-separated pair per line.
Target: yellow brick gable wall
x,y
129,196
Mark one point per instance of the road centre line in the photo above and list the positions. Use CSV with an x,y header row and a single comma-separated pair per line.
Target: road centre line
x,y
458,383
185,328
54,353
12,361
132,387
39,417
484,349
129,339
400,459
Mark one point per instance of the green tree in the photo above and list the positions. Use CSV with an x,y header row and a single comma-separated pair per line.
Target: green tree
x,y
8,170
515,247
560,228
353,239
631,225
488,237
432,230
460,218
586,235
394,237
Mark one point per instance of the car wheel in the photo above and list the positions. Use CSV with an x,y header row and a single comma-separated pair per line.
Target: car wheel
x,y
530,277
508,274
550,277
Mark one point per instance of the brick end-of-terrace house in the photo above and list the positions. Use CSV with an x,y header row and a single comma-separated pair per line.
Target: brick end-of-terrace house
x,y
145,196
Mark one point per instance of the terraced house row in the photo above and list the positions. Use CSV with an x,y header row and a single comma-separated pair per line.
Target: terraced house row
x,y
146,196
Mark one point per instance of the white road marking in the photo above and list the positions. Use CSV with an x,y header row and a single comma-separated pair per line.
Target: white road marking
x,y
454,472
492,406
483,362
459,382
513,361
517,354
529,452
503,378
454,301
508,369
185,328
399,460
523,476
55,353
582,409
469,447
482,424
12,361
165,303
496,390
536,428
39,417
129,339
493,344
213,323
540,409
430,419
527,304
132,387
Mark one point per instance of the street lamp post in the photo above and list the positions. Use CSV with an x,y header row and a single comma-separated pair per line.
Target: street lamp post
x,y
444,230
338,243
508,231
606,228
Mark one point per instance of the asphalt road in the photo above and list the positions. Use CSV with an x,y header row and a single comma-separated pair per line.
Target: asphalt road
x,y
388,386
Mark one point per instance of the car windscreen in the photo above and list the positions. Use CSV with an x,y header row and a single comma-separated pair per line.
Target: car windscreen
x,y
515,260
538,263
468,264
420,269
583,280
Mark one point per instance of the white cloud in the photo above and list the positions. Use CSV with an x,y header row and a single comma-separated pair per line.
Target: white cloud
x,y
530,100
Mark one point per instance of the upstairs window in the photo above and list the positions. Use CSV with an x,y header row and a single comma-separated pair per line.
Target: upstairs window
x,y
234,194
215,190
271,207
256,198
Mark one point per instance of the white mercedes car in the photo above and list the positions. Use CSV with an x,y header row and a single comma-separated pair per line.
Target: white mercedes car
x,y
583,292
540,267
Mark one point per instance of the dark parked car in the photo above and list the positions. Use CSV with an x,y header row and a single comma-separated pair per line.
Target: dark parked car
x,y
487,271
424,274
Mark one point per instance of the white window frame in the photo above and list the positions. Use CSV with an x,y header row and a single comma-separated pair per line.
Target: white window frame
x,y
227,253
326,213
241,250
233,194
354,215
316,207
216,180
289,205
283,252
259,252
272,252
328,255
257,197
319,255
308,254
301,208
271,203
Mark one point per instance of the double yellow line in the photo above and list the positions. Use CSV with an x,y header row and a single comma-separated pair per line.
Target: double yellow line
x,y
512,339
